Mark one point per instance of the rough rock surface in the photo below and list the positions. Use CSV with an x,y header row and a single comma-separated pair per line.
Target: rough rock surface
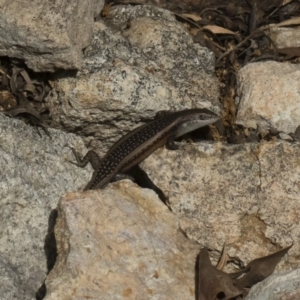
x,y
247,195
34,173
285,286
270,99
48,35
120,243
285,36
129,74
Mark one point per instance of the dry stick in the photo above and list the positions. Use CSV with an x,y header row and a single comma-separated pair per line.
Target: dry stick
x,y
4,73
273,12
217,45
253,18
195,24
239,45
223,259
187,19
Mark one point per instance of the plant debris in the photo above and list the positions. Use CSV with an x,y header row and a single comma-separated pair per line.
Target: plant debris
x,y
238,32
22,94
214,284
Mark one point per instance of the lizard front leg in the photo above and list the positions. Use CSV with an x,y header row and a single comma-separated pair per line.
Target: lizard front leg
x,y
170,144
91,157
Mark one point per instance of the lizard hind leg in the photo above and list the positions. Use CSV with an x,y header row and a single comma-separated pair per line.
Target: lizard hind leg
x,y
121,176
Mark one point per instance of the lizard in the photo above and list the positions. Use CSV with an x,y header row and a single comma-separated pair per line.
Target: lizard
x,y
138,144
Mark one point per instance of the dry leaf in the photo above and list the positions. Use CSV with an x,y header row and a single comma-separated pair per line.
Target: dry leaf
x,y
212,282
260,268
193,17
194,31
285,2
215,284
290,22
218,30
290,51
223,259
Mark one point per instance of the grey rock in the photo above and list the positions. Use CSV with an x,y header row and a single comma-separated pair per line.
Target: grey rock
x,y
277,287
48,35
247,195
285,36
269,100
120,243
35,172
129,75
284,136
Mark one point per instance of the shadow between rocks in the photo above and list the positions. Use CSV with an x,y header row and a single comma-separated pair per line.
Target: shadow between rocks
x,y
50,252
197,278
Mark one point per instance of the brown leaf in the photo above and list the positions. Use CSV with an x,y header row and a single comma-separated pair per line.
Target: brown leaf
x,y
285,2
240,24
213,283
211,45
231,9
290,22
290,51
260,268
193,17
223,259
23,110
25,75
226,22
35,89
199,38
22,100
14,82
218,30
4,79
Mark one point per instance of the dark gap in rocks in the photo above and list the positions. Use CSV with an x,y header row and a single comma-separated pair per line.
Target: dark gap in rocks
x,y
142,179
62,74
197,278
50,251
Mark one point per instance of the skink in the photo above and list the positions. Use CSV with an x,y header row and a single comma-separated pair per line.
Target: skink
x,y
138,144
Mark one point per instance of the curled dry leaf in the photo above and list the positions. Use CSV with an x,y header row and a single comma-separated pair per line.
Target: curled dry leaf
x,y
289,52
23,110
193,17
215,284
26,94
218,30
285,2
4,80
290,22
223,259
260,268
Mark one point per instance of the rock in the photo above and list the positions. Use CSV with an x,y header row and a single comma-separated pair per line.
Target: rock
x,y
285,37
34,174
284,136
47,35
129,75
268,96
120,243
246,195
277,287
